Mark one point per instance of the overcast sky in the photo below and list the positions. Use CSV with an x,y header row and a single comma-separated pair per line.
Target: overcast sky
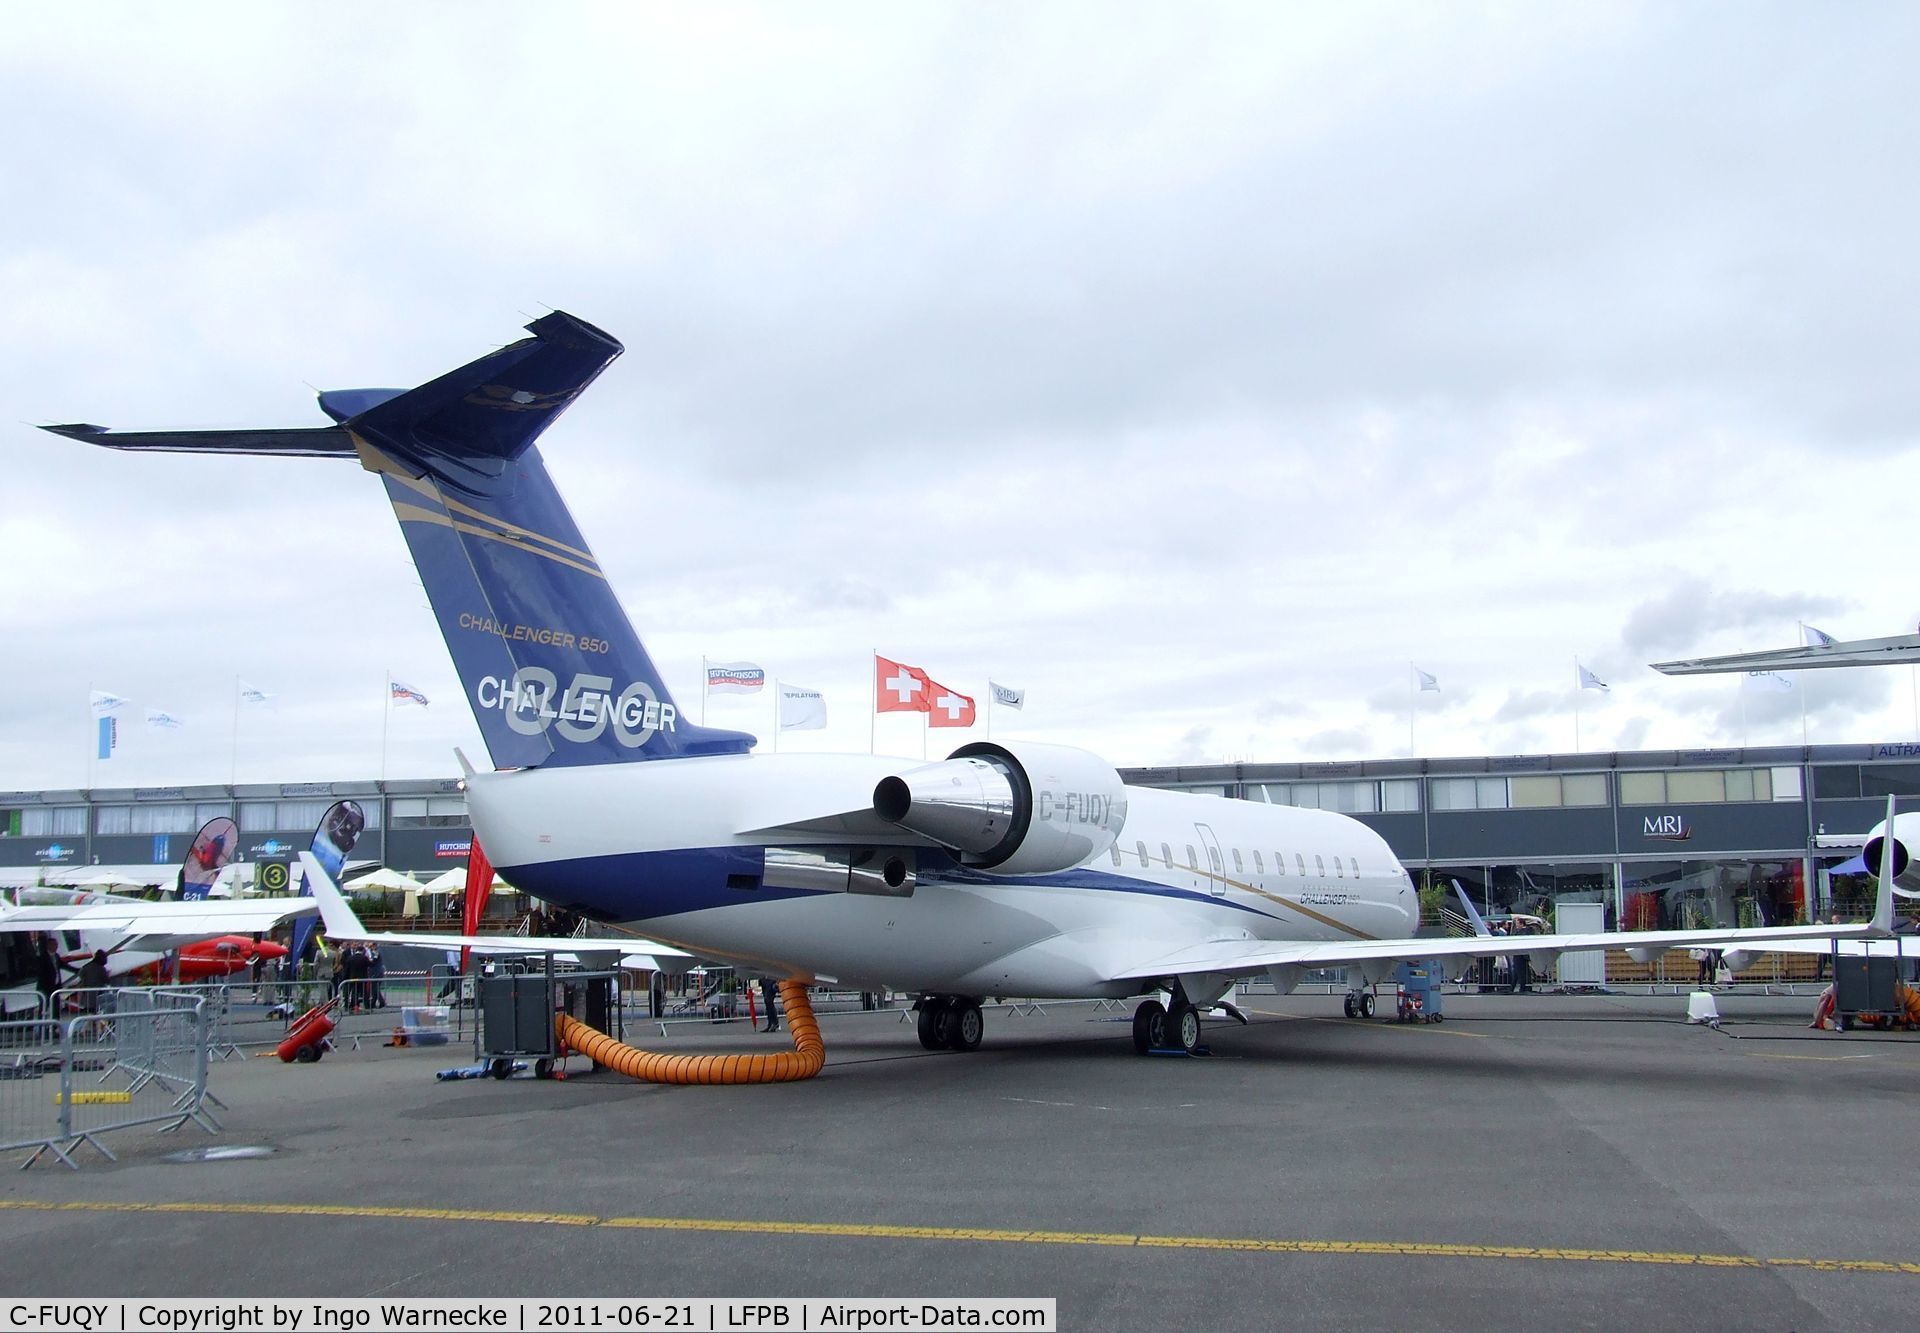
x,y
1197,369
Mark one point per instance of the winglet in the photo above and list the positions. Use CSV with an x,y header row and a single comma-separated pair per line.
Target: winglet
x,y
336,916
1882,922
1473,914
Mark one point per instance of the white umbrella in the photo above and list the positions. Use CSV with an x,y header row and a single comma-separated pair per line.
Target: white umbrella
x,y
452,881
386,880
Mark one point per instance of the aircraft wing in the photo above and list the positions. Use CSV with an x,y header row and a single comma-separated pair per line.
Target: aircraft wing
x,y
340,922
159,926
1237,957
1245,957
1894,651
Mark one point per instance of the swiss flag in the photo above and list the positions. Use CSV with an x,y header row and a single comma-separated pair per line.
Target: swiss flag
x,y
898,688
948,708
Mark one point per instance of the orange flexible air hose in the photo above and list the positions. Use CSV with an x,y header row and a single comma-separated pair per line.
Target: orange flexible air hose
x,y
803,1061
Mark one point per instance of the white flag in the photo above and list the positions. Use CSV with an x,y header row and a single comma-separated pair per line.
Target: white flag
x,y
801,709
1815,638
1007,698
162,720
104,703
1768,680
1589,681
1427,682
734,678
252,694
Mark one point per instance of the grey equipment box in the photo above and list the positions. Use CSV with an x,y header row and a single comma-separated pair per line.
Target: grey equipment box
x,y
1864,986
516,1015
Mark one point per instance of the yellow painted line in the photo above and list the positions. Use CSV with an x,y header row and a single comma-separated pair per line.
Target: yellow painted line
x,y
1776,1055
992,1235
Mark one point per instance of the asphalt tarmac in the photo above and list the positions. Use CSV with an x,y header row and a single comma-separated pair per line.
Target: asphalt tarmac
x,y
1540,1161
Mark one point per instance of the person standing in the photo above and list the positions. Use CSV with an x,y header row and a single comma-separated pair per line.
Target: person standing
x,y
773,1015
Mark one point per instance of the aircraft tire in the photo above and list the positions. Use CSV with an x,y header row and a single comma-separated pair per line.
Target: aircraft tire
x,y
1346,1006
1149,1027
930,1024
1183,1026
964,1026
1366,1006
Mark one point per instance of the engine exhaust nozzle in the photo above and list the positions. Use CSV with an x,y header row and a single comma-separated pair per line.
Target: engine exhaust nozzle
x,y
966,804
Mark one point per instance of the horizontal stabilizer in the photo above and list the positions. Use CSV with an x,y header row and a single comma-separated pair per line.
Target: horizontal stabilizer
x,y
305,442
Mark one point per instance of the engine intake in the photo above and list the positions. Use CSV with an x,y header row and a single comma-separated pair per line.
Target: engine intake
x,y
1019,808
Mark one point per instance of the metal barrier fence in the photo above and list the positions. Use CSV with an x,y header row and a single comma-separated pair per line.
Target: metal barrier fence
x,y
140,1058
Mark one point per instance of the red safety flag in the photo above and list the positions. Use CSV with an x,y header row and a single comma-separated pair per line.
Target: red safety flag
x,y
479,885
948,708
898,688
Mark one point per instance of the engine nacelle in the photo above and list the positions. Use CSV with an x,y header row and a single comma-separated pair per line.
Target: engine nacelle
x,y
1019,808
1905,834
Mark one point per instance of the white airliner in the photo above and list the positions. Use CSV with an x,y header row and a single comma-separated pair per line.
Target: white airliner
x,y
1010,868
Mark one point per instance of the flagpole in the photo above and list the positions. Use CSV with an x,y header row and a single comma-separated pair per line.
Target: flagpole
x,y
873,698
233,769
705,679
93,737
1577,687
1412,747
989,710
1742,687
386,715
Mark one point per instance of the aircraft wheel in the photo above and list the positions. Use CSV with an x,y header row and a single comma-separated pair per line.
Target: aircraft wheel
x,y
1347,1006
1184,1025
932,1011
1149,1027
1366,1006
965,1026
306,1055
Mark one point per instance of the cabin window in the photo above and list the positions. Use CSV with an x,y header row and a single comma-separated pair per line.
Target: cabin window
x,y
1193,861
1320,865
1114,851
1353,863
1166,856
1300,860
1238,868
1339,871
1259,866
1141,848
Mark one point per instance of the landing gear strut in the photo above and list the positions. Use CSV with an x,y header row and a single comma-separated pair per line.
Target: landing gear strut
x,y
1358,1004
950,1023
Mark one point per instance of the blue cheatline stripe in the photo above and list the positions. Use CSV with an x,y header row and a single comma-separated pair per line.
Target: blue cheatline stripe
x,y
640,886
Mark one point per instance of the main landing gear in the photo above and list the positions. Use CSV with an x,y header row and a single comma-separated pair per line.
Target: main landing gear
x,y
950,1023
1359,1004
1158,1028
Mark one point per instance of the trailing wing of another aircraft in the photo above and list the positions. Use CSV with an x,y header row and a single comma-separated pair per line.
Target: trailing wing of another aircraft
x,y
1897,650
1008,868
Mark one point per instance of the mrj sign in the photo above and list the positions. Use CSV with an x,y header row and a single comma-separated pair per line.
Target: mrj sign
x,y
1668,828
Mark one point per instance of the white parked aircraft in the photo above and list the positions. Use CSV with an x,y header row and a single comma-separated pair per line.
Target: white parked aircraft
x,y
1010,868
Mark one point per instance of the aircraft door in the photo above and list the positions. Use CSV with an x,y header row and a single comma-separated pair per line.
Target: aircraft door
x,y
1216,863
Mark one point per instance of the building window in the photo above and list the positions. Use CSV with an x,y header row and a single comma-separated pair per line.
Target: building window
x,y
430,812
1400,794
1699,786
44,821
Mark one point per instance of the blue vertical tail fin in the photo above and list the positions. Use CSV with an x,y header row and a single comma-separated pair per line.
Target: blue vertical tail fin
x,y
546,655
